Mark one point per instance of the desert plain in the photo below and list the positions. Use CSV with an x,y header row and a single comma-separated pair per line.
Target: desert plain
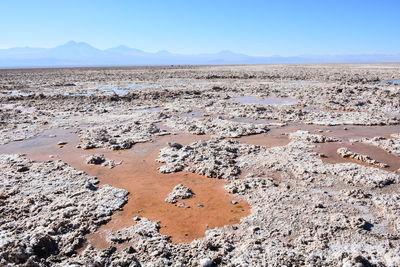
x,y
235,165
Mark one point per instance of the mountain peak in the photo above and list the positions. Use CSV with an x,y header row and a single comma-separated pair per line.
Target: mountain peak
x,y
122,47
226,52
125,49
74,49
73,43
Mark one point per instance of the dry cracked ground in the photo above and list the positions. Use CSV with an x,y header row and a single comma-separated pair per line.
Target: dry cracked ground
x,y
313,150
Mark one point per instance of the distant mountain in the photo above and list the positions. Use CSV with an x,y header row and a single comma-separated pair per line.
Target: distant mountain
x,y
82,54
122,49
74,50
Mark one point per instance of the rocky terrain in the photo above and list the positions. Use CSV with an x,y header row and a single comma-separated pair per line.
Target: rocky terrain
x,y
100,159
121,136
46,209
216,127
179,192
304,211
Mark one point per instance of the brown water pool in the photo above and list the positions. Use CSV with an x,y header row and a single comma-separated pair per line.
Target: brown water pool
x,y
147,186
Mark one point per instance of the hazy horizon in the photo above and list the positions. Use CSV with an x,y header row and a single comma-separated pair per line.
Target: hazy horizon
x,y
212,52
75,53
257,28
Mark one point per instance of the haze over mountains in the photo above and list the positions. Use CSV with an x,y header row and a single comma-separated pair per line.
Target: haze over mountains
x,y
82,54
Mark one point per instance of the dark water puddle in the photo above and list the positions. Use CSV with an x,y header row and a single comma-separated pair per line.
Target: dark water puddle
x,y
265,101
148,188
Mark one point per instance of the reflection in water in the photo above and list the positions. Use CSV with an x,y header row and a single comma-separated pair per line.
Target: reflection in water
x,y
394,81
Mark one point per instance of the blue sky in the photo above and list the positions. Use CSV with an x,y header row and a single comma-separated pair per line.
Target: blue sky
x,y
280,27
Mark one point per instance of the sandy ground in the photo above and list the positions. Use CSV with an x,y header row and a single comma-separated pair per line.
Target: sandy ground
x,y
200,166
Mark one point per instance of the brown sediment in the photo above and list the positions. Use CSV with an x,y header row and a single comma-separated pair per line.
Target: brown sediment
x,y
268,139
148,188
330,151
278,135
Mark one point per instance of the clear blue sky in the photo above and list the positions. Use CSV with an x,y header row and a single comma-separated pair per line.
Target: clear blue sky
x,y
280,27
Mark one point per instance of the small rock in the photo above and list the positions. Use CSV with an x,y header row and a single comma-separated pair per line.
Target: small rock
x,y
90,186
23,169
175,145
205,262
96,159
234,202
179,192
3,196
62,143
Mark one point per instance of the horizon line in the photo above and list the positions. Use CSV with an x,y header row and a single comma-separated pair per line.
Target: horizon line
x,y
200,53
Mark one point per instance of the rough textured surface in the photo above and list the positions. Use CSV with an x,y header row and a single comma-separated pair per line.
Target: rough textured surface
x,y
313,138
45,216
216,127
179,192
396,135
100,159
304,211
118,137
216,159
344,152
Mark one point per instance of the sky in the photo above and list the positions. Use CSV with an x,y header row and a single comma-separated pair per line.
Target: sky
x,y
280,27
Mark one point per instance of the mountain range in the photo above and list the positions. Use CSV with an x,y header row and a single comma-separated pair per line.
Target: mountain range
x,y
82,54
